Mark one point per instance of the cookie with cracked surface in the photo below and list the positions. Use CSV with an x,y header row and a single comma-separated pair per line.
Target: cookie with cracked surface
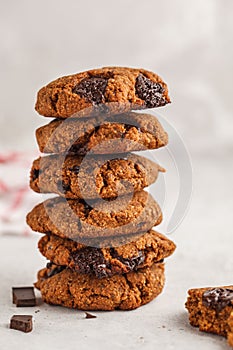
x,y
85,292
75,219
210,308
108,90
230,331
102,135
143,252
92,177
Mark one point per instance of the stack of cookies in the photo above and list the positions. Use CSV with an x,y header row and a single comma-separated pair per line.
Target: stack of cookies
x,y
102,251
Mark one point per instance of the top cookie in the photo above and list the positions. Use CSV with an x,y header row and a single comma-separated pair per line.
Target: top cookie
x,y
108,90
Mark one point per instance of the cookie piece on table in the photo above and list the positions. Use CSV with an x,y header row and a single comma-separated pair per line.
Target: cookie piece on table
x,y
85,292
92,177
108,90
102,135
210,308
75,219
143,252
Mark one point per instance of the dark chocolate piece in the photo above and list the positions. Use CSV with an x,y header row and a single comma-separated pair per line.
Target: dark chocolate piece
x,y
150,92
21,323
23,296
88,315
217,298
92,89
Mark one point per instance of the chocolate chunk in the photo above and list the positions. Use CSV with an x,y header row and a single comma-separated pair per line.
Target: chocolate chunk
x,y
23,296
21,323
217,298
62,186
150,92
77,148
87,207
128,127
92,89
54,269
90,260
35,174
75,169
88,315
132,263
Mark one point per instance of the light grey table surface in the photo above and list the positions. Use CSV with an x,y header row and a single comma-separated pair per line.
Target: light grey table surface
x,y
203,258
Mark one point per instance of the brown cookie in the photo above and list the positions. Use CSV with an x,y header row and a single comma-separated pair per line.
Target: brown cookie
x,y
71,289
77,220
143,252
108,90
230,330
210,308
102,135
92,177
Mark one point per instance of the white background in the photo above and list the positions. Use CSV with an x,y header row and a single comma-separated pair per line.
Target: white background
x,y
189,43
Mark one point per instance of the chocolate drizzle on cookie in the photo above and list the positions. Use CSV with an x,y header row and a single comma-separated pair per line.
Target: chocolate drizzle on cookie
x,y
217,298
150,92
92,89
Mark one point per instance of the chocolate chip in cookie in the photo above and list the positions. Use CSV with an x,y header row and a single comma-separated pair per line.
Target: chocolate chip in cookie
x,y
150,92
92,89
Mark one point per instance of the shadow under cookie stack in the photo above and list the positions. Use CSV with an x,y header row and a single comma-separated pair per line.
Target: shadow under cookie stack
x,y
103,253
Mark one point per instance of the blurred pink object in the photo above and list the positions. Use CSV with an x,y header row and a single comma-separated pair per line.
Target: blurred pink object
x,y
15,197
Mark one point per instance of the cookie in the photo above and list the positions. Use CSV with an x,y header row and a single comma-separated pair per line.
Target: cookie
x,y
102,135
210,308
71,289
76,219
92,177
230,331
109,90
143,252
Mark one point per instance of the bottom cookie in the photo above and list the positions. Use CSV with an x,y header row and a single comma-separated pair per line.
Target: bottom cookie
x,y
61,286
